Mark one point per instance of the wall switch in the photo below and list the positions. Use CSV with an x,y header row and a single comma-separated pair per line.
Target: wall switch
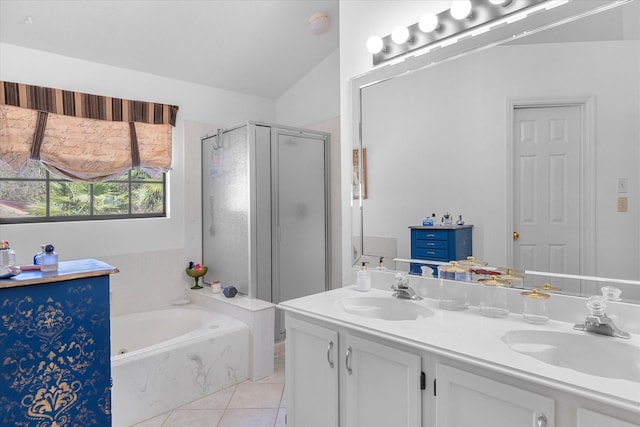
x,y
622,185
622,204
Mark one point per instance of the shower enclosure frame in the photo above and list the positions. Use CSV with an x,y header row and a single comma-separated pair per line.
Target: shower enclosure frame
x,y
263,247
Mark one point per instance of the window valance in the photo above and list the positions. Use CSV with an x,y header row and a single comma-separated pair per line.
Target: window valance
x,y
81,136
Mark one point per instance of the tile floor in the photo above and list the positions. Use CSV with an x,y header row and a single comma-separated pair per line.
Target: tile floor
x,y
248,404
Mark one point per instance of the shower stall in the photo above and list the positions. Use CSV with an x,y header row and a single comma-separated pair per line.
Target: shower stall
x,y
265,219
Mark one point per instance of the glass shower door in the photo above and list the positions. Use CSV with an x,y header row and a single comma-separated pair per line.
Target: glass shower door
x,y
300,210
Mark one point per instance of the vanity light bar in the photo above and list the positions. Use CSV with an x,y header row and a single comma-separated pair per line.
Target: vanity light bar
x,y
482,12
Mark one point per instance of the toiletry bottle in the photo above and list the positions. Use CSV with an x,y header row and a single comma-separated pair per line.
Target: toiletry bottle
x,y
428,221
381,266
363,280
12,255
49,260
37,258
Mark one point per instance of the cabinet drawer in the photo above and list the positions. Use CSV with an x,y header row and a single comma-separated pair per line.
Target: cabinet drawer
x,y
432,244
431,234
432,254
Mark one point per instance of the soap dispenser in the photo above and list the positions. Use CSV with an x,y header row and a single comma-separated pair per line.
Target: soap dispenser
x,y
363,280
381,266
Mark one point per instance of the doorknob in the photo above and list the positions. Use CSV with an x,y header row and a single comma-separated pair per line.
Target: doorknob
x,y
516,235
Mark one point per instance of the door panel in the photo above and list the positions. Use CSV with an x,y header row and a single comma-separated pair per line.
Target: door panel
x,y
546,147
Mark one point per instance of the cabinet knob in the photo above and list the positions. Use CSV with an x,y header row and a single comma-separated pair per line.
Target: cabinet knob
x,y
516,235
347,361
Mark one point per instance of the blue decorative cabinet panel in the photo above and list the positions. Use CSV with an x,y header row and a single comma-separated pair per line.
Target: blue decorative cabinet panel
x,y
54,341
440,243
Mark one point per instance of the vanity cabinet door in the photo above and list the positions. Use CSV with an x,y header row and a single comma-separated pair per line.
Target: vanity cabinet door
x,y
382,385
54,341
465,399
589,418
311,369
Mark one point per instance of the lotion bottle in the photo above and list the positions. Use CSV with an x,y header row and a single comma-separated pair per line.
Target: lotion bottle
x,y
363,280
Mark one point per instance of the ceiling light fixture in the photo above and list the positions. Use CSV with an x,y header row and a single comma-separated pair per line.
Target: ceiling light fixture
x,y
452,25
319,23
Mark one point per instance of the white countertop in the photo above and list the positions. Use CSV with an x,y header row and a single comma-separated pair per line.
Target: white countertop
x,y
472,338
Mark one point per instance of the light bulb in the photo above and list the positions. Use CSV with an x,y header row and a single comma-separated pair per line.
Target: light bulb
x,y
497,1
374,44
428,22
400,34
460,9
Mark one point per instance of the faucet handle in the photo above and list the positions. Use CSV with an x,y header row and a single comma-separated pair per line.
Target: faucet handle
x,y
611,293
597,305
401,281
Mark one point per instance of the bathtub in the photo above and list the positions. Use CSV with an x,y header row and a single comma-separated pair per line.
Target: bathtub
x,y
163,359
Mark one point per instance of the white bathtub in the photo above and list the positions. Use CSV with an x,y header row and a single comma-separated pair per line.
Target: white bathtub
x,y
163,359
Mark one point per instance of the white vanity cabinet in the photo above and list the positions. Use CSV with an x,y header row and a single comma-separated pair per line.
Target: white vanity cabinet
x,y
350,371
466,399
327,367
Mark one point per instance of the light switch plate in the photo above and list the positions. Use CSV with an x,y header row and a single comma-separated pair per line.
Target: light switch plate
x,y
622,185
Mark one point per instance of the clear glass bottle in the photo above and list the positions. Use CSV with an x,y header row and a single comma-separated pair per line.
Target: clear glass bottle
x,y
37,258
50,259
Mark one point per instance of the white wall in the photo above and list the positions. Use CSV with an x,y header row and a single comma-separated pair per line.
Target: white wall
x,y
314,98
150,253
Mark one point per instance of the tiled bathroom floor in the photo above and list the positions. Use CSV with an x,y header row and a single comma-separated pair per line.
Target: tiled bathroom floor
x,y
248,404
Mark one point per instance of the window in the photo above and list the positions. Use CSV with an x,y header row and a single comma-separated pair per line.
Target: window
x,y
36,195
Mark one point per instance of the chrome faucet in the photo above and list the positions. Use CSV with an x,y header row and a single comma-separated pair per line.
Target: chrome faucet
x,y
403,290
598,322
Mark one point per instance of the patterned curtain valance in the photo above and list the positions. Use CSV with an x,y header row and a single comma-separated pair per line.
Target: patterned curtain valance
x,y
81,136
85,105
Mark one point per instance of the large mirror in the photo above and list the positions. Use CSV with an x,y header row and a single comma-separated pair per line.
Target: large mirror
x,y
460,136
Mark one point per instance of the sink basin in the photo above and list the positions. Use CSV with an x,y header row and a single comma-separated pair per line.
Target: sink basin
x,y
384,308
591,354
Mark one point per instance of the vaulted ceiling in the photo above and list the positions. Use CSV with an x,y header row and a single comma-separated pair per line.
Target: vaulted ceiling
x,y
258,47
